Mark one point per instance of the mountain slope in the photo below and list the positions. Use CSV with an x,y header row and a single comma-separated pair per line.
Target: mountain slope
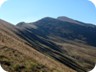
x,y
18,55
70,43
67,30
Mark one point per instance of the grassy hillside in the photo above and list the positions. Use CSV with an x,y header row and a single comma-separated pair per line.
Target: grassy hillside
x,y
14,61
70,42
17,55
48,45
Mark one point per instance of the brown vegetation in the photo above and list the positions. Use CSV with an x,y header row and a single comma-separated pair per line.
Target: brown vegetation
x,y
13,44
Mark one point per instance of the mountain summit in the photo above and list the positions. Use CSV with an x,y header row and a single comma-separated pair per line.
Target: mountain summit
x,y
48,45
66,19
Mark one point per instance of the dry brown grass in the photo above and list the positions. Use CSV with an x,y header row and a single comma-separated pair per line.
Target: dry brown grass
x,y
14,61
82,54
14,43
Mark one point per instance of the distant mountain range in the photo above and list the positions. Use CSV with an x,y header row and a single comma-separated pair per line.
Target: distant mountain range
x,y
48,45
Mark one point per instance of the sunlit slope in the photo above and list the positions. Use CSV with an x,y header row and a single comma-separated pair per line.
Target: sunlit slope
x,y
18,55
68,41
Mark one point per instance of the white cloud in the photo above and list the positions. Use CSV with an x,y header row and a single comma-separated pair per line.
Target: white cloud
x,y
2,2
94,2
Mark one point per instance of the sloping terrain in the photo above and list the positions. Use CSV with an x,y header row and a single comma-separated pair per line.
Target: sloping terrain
x,y
48,45
68,41
18,55
14,61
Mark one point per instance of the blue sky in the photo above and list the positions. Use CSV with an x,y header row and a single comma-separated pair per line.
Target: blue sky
x,y
15,11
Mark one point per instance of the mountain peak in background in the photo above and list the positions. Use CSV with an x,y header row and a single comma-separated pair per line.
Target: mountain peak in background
x,y
48,45
66,19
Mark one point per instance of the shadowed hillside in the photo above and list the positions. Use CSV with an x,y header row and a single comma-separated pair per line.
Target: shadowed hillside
x,y
48,45
17,55
68,41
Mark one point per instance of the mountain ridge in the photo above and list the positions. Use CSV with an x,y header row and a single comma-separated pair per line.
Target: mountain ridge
x,y
9,43
57,45
64,35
